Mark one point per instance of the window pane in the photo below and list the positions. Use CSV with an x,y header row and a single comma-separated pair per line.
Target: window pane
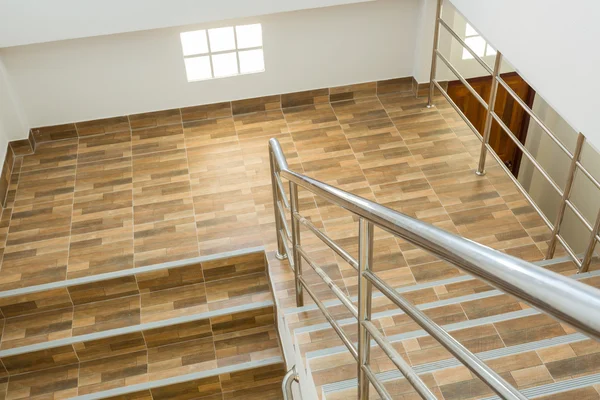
x,y
251,61
194,42
470,31
490,51
225,64
248,36
221,39
197,68
477,44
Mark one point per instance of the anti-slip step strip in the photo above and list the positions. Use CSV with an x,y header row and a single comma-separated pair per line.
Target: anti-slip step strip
x,y
414,288
127,272
452,362
558,387
180,379
425,306
134,328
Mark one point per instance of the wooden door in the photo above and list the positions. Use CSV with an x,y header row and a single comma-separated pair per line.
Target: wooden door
x,y
506,107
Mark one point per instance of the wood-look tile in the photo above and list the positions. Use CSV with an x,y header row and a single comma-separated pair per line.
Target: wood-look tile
x,y
264,123
160,168
236,291
54,299
109,373
39,360
50,155
46,185
352,111
170,278
156,118
179,358
105,315
56,132
378,134
351,92
102,126
395,85
103,177
528,329
103,290
101,251
233,266
257,104
55,383
142,395
305,98
310,117
102,211
205,388
36,328
253,384
321,144
109,347
209,134
178,333
164,241
173,302
38,222
159,138
251,344
104,147
208,111
21,147
162,202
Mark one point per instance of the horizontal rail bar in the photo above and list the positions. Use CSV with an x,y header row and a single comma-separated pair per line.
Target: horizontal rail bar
x,y
588,174
330,283
334,324
569,250
410,375
534,116
332,245
570,301
458,110
286,384
381,390
478,367
463,44
284,220
531,158
579,215
283,195
462,79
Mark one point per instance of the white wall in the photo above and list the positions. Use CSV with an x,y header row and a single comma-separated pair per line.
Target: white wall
x,y
553,44
34,21
128,73
13,124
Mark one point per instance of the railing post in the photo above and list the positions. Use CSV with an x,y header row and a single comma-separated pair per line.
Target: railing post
x,y
589,252
488,117
280,254
566,194
365,262
436,38
295,243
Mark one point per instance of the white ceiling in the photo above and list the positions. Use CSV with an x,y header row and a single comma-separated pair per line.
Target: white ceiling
x,y
37,21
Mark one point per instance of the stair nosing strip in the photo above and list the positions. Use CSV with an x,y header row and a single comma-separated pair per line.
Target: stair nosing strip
x,y
127,272
179,379
453,362
426,306
132,329
557,387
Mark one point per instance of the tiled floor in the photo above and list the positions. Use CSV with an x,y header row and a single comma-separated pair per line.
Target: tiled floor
x,y
172,185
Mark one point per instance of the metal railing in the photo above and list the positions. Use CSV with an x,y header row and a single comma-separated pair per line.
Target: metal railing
x,y
286,385
491,116
565,299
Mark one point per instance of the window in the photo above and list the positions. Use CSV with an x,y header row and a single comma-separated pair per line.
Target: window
x,y
221,52
477,43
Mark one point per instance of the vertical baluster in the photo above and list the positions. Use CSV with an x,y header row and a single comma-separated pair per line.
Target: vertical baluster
x,y
280,247
589,252
295,243
566,194
365,262
436,39
488,117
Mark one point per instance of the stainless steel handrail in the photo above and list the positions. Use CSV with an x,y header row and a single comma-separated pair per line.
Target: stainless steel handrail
x,y
286,385
567,300
484,136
